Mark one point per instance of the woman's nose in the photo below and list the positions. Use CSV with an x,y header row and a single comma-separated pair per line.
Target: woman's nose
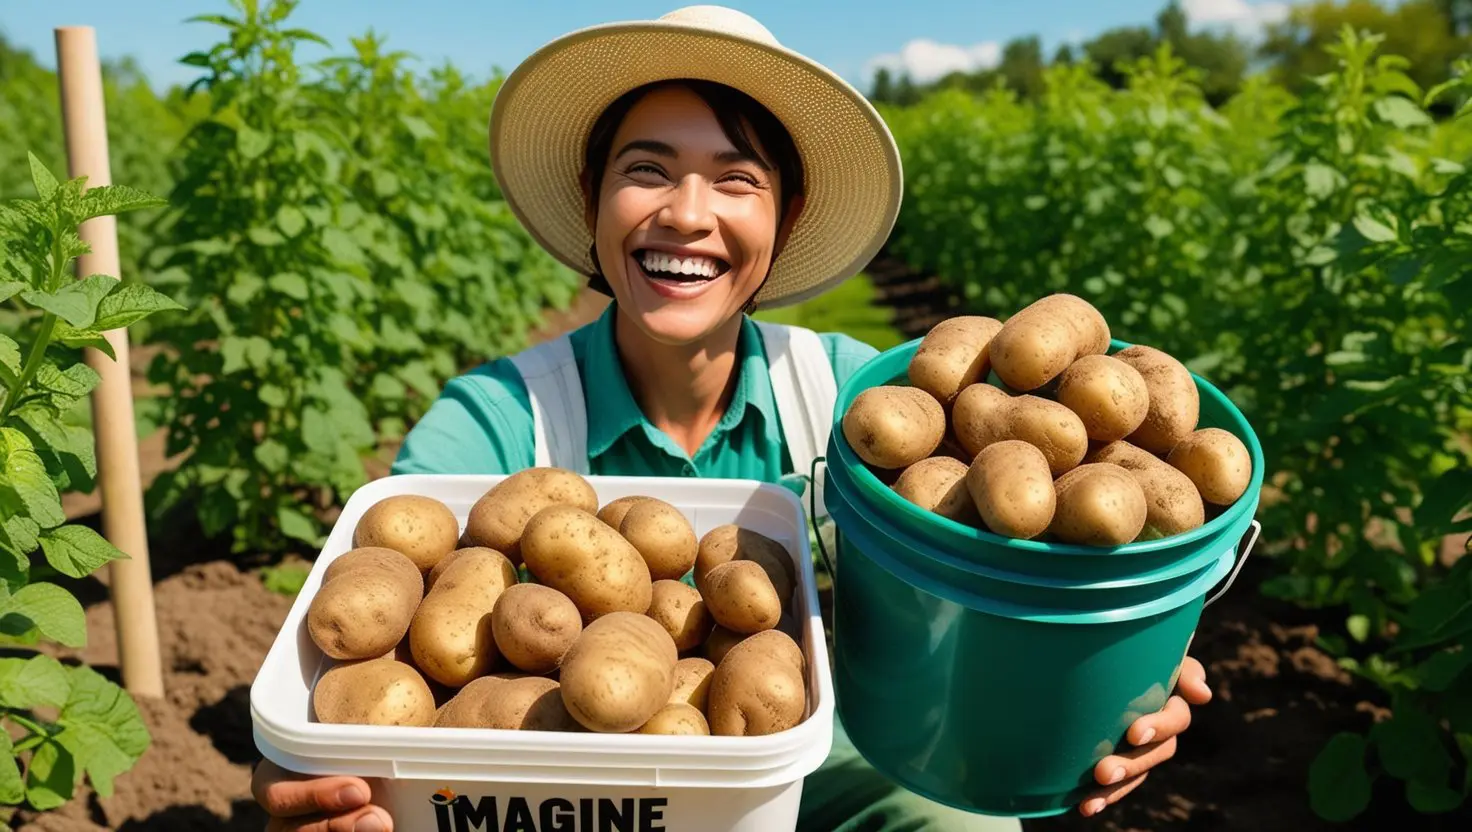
x,y
688,210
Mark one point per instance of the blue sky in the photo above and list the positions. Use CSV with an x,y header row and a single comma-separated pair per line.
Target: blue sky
x,y
851,37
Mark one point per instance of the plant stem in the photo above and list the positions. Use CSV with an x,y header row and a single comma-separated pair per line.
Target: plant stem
x,y
33,364
28,724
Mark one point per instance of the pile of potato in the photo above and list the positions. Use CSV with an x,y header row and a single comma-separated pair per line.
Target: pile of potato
x,y
1031,430
551,613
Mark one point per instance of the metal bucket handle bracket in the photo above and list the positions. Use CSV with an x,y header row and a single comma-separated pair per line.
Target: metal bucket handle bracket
x,y
813,515
1248,541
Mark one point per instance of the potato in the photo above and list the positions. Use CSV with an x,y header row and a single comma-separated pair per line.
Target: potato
x,y
572,551
682,612
1039,342
719,643
677,719
1099,504
499,517
953,355
1172,502
619,672
1175,403
1217,462
451,636
893,426
423,528
508,701
613,512
756,690
534,626
1107,394
663,537
366,603
377,691
984,415
741,597
439,568
938,484
1012,489
781,645
731,542
692,681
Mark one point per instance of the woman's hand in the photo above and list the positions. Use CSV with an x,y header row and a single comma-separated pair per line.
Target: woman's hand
x,y
316,804
1154,739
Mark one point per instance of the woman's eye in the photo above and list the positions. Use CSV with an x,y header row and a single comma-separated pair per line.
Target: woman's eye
x,y
745,179
645,167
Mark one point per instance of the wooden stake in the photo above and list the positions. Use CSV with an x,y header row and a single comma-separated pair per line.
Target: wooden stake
x,y
118,478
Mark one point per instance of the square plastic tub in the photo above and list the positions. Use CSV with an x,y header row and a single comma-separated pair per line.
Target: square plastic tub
x,y
464,779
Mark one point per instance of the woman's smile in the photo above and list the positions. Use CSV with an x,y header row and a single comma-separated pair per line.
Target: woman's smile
x,y
679,274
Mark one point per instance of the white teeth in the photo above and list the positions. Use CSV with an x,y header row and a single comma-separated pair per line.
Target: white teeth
x,y
659,262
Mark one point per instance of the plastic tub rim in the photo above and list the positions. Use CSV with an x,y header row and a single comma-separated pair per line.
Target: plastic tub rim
x,y
866,480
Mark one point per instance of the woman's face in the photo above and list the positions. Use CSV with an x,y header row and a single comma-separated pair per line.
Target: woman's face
x,y
686,227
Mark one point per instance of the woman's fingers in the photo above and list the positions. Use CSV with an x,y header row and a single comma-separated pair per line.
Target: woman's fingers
x,y
367,819
1160,726
1096,802
1192,682
1118,768
286,795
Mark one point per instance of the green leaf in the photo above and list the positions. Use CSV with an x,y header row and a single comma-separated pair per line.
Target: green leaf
x,y
1401,112
24,534
1432,798
1359,627
272,396
105,200
1445,499
129,304
272,455
102,728
1320,180
51,610
290,220
252,143
1410,745
297,525
27,475
76,383
1441,670
52,776
265,237
41,177
73,337
1338,784
10,359
12,786
76,551
1373,230
290,284
26,684
10,288
76,303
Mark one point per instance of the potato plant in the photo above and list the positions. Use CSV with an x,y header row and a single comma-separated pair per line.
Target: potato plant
x,y
63,723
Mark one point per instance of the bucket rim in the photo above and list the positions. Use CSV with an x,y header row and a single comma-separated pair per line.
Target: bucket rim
x,y
892,501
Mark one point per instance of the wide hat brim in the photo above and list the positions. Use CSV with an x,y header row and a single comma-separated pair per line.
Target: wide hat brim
x,y
545,108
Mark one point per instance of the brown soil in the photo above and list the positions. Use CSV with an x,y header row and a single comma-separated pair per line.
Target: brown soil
x,y
1241,766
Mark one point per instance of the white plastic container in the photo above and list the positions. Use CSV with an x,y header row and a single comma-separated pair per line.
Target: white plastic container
x,y
464,779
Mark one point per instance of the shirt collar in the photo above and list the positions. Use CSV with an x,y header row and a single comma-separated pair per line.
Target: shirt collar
x,y
613,412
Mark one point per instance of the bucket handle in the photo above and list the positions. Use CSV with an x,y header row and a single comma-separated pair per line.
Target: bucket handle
x,y
1250,540
813,515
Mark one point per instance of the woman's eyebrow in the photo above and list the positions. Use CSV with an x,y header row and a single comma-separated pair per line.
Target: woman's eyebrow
x,y
660,148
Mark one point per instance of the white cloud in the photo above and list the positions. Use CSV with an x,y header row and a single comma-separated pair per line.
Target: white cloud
x,y
1247,18
926,60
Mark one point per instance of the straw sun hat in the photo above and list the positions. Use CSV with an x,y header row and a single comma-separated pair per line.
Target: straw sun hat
x,y
546,107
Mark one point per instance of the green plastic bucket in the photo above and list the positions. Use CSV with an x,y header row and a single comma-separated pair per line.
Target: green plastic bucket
x,y
1043,562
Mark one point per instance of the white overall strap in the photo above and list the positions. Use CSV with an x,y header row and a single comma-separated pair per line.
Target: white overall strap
x,y
559,416
806,394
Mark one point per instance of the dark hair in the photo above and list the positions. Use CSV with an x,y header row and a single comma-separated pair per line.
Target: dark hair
x,y
733,110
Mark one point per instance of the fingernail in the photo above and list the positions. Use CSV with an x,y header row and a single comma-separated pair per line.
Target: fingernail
x,y
1116,776
1147,736
350,797
370,823
1094,807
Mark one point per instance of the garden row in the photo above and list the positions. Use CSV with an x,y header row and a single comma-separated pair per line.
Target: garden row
x,y
1312,256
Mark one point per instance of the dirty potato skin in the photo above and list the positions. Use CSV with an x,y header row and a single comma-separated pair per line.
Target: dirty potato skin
x,y
534,626
378,691
682,612
574,552
663,537
613,512
731,542
1013,489
508,701
1217,462
1175,403
1109,395
1039,342
1172,502
619,672
451,637
422,528
938,484
984,415
953,354
756,690
692,681
741,597
677,719
366,603
1099,504
894,427
499,517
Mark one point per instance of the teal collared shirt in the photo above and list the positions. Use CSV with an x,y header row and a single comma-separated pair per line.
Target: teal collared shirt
x,y
482,421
